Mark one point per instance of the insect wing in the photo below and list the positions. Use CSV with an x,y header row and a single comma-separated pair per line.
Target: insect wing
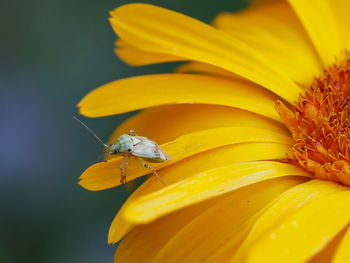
x,y
149,150
146,149
160,150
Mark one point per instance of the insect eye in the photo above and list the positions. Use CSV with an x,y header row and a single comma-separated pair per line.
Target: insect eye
x,y
115,151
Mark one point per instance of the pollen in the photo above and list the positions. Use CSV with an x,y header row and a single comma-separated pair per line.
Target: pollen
x,y
320,125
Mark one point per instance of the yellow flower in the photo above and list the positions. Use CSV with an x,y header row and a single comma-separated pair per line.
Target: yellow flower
x,y
257,127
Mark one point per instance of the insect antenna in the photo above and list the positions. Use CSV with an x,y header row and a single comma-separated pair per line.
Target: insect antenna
x,y
94,134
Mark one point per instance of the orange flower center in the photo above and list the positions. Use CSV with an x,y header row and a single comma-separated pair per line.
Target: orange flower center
x,y
320,125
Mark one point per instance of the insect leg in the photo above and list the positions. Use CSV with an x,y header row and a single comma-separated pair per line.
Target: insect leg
x,y
131,184
106,154
149,167
132,133
123,177
126,167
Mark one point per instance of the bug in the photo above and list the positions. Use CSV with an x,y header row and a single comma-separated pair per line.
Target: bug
x,y
133,146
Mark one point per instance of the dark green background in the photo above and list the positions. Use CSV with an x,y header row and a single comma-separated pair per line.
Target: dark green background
x,y
52,53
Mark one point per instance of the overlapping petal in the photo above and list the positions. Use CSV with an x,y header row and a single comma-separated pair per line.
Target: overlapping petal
x,y
221,222
203,68
223,156
273,30
165,123
326,255
142,243
105,175
342,253
137,57
153,90
284,207
320,23
186,222
185,37
331,214
340,9
205,185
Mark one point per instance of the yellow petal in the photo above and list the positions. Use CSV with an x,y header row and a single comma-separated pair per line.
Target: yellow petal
x,y
207,160
166,123
145,241
222,221
137,57
282,208
198,67
312,227
319,22
223,253
156,29
341,10
327,254
206,185
105,175
153,90
273,30
342,254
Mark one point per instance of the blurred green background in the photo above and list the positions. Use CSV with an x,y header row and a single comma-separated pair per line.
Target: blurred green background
x,y
52,53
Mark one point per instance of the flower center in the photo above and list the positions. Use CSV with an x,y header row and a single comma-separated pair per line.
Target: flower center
x,y
320,125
